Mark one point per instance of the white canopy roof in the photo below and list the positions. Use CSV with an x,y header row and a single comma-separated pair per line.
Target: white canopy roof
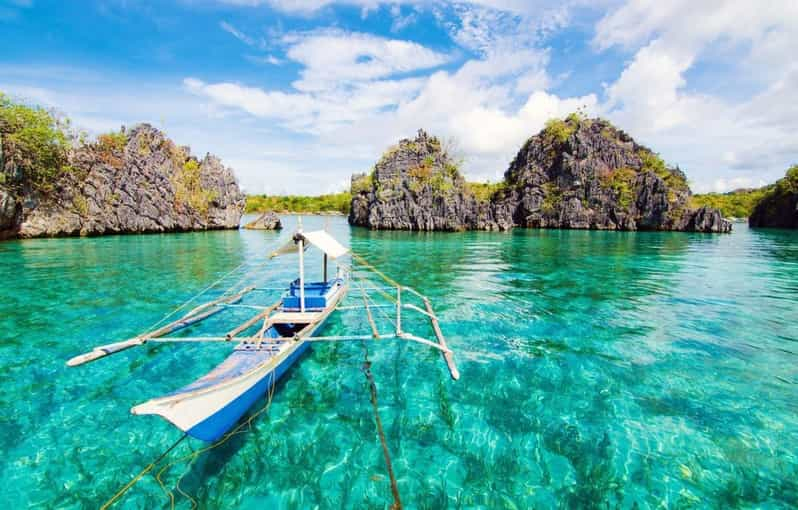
x,y
318,238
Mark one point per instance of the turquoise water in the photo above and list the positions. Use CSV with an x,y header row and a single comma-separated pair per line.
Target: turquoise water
x,y
599,369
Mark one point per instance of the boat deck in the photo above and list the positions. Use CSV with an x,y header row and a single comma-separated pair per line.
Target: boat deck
x,y
294,317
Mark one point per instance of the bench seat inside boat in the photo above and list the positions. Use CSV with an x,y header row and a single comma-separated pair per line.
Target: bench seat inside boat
x,y
317,294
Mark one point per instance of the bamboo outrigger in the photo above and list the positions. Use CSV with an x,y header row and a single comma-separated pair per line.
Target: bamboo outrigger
x,y
280,333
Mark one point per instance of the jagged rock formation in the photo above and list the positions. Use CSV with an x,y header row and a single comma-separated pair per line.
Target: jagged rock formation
x,y
266,221
416,186
779,206
578,174
586,174
134,182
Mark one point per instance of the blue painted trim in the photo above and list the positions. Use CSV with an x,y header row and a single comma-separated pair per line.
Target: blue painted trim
x,y
215,426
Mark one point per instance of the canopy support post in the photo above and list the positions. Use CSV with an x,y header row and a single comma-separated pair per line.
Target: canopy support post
x,y
301,276
325,268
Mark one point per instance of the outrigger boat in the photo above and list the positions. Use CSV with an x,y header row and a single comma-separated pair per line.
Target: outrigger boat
x,y
210,406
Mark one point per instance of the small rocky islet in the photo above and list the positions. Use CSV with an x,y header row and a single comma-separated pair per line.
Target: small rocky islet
x,y
132,181
266,221
577,173
779,205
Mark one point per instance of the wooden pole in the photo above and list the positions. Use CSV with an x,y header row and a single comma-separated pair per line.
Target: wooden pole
x,y
398,310
447,354
187,320
374,331
224,299
249,323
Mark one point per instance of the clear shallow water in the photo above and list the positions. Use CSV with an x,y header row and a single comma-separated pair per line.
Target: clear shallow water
x,y
599,369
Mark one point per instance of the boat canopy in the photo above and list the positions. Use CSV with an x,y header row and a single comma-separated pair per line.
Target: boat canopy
x,y
318,238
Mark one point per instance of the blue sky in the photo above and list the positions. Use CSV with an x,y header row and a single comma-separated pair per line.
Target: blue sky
x,y
296,95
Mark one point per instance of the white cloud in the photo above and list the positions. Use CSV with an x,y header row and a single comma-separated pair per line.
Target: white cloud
x,y
724,185
364,92
637,21
345,77
334,56
253,100
400,21
705,133
302,6
230,29
265,59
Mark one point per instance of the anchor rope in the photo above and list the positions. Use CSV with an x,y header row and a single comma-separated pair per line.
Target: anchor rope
x,y
397,501
243,427
141,474
228,291
385,277
366,367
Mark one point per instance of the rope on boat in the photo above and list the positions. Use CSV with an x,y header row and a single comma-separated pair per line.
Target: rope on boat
x,y
228,291
376,271
141,474
195,296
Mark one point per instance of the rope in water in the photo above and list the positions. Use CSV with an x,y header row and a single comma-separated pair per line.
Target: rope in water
x,y
376,271
241,428
141,474
397,502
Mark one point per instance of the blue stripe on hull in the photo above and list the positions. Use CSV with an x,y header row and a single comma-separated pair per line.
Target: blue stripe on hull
x,y
214,426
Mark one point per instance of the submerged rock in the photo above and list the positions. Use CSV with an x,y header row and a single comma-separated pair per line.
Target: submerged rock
x,y
141,183
575,174
779,206
266,221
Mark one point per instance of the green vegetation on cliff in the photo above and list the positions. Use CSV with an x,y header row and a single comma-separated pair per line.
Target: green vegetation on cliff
x,y
560,130
788,184
35,141
335,202
188,187
484,191
621,181
778,206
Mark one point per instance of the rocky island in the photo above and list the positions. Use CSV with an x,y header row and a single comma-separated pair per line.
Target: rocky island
x,y
266,221
131,181
778,207
576,173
